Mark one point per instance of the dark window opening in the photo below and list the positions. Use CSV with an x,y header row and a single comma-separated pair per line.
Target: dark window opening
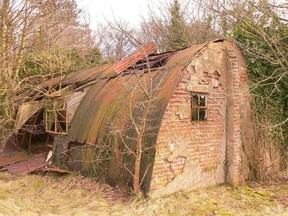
x,y
56,118
33,137
199,107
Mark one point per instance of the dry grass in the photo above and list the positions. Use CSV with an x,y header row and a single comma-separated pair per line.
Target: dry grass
x,y
75,195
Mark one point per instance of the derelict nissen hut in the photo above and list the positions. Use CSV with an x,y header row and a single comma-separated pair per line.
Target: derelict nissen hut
x,y
189,109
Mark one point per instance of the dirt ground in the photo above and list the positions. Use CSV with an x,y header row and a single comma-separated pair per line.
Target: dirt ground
x,y
75,195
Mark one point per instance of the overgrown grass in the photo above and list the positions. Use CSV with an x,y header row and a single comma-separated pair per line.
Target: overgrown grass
x,y
75,195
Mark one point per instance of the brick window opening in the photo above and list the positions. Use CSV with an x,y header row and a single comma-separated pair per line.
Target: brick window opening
x,y
56,115
199,107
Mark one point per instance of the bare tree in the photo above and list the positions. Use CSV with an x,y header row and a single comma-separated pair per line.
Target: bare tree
x,y
33,27
166,24
135,127
113,41
184,23
134,140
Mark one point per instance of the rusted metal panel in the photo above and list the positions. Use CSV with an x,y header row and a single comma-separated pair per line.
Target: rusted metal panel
x,y
12,158
52,169
25,112
87,75
122,123
142,53
28,166
40,88
115,106
98,102
183,57
117,115
12,144
110,70
73,101
88,160
60,151
153,61
83,116
107,110
82,120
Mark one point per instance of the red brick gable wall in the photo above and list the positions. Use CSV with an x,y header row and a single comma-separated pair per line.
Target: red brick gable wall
x,y
191,154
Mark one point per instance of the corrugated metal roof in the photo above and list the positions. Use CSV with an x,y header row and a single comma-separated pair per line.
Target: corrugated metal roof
x,y
110,70
85,76
105,99
108,101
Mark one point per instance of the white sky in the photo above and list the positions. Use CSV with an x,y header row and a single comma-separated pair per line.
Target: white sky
x,y
130,10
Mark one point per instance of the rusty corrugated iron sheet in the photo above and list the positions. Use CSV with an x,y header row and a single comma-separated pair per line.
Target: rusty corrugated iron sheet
x,y
183,57
12,158
87,75
105,98
53,170
112,69
80,123
28,166
142,53
109,104
12,144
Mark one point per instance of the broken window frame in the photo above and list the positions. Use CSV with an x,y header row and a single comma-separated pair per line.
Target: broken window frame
x,y
55,124
198,107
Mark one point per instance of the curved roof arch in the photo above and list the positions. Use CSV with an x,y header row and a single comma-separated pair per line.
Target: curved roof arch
x,y
114,109
117,100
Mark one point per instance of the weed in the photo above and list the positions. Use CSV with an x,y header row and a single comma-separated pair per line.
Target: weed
x,y
76,195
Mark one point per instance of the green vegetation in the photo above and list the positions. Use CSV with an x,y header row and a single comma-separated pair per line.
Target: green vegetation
x,y
59,61
261,31
177,31
40,40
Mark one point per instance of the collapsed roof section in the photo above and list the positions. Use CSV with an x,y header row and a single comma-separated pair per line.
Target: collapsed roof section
x,y
116,101
59,85
101,89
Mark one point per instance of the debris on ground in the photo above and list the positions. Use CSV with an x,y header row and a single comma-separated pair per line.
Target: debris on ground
x,y
12,158
28,166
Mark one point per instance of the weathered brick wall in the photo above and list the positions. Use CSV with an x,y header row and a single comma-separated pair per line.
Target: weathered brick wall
x,y
191,154
240,136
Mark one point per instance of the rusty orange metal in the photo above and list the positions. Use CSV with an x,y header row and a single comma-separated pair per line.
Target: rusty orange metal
x,y
12,158
53,170
112,69
115,101
105,100
28,166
